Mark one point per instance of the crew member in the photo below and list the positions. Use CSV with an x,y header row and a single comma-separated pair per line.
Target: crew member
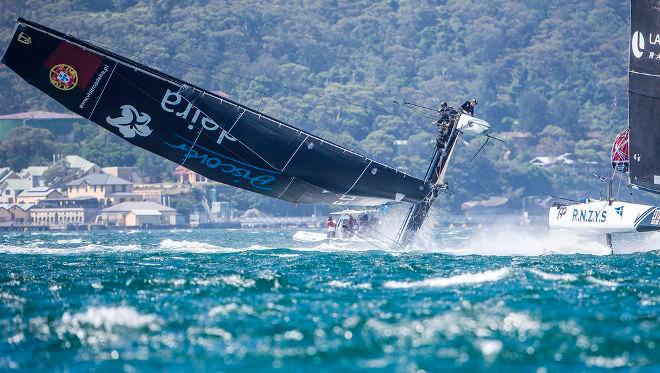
x,y
468,107
352,225
330,223
444,114
364,221
444,124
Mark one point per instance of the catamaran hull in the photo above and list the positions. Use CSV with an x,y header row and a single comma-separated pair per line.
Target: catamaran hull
x,y
601,217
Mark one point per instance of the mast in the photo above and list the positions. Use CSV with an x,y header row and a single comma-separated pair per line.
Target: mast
x,y
435,177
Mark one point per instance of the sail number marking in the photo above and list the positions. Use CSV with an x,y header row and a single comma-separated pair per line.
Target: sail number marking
x,y
655,220
589,216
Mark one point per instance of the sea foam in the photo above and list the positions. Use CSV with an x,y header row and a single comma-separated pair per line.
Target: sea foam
x,y
458,280
107,318
195,247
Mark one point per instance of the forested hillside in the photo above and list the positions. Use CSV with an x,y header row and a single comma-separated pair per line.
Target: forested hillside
x,y
554,69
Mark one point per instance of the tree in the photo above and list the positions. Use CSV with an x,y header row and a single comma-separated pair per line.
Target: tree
x,y
154,168
60,173
25,146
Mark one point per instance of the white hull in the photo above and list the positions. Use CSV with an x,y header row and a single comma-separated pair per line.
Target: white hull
x,y
601,217
317,237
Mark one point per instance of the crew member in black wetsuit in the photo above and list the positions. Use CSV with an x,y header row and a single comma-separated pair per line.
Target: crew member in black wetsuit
x,y
444,124
468,107
444,113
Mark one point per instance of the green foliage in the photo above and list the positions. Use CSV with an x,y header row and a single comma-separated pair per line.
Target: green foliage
x,y
536,66
154,168
26,146
185,203
59,173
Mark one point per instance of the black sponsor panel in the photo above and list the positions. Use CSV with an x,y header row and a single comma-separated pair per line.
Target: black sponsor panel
x,y
132,108
645,36
306,157
644,94
66,72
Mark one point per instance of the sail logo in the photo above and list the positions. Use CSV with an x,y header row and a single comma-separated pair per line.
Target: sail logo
x,y
561,211
619,210
637,46
192,115
63,77
23,38
233,169
131,122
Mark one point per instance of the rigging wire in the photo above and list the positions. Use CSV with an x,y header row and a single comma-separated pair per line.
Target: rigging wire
x,y
409,106
477,153
303,116
278,85
203,133
362,234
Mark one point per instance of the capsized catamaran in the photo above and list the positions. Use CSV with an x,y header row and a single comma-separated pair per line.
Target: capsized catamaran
x,y
641,140
214,135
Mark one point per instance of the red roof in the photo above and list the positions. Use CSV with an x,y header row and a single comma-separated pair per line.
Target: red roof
x,y
39,115
180,170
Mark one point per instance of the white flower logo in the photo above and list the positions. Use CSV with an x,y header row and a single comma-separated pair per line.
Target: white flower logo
x,y
131,122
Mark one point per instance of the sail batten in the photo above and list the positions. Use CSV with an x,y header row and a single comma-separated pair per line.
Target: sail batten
x,y
207,133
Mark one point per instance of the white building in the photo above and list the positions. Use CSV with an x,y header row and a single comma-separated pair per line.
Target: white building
x,y
11,188
34,195
86,167
138,214
34,174
65,211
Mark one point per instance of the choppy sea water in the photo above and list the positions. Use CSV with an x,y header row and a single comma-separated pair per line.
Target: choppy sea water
x,y
256,300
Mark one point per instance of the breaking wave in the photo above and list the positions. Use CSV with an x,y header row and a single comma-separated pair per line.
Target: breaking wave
x,y
553,276
107,318
458,280
349,285
195,247
91,248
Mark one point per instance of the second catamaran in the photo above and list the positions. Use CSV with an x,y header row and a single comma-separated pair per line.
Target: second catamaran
x,y
636,150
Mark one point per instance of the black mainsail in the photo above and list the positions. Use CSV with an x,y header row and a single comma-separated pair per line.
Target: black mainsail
x,y
207,133
644,94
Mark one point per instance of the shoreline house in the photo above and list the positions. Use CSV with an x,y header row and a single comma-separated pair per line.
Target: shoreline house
x,y
65,211
160,192
186,176
34,195
126,173
35,175
57,123
108,189
11,188
138,214
13,214
6,173
84,166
